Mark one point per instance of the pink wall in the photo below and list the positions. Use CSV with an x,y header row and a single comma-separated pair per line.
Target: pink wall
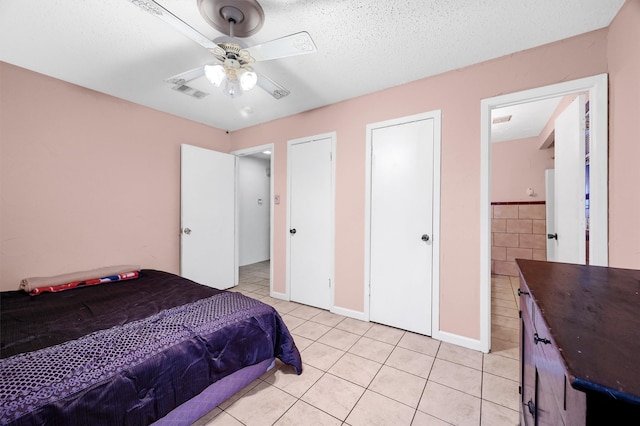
x,y
457,94
517,165
87,180
624,133
73,163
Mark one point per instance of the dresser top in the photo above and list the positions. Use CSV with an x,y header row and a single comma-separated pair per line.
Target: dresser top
x,y
593,315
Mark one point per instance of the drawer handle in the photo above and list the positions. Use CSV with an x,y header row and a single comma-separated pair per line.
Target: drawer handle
x,y
520,292
532,408
537,339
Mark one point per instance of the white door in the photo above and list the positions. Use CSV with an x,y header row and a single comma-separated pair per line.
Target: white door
x,y
310,221
550,211
570,219
207,204
401,250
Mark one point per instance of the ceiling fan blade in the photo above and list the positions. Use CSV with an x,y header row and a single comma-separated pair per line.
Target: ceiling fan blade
x,y
178,24
271,87
187,76
291,45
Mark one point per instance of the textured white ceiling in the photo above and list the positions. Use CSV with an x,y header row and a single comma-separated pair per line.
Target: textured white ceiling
x,y
527,120
114,47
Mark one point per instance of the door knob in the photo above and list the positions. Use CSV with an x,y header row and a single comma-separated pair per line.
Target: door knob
x,y
425,237
187,231
292,231
552,236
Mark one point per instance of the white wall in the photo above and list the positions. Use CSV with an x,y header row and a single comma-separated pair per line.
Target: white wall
x,y
253,217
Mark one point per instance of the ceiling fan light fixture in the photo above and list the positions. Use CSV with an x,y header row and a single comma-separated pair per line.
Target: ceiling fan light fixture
x,y
215,74
232,88
247,78
233,74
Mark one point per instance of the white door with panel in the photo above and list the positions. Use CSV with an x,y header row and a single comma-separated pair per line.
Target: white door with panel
x,y
311,221
208,217
401,224
569,235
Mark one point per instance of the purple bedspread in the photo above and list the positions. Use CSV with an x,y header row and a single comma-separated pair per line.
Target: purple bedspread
x,y
136,372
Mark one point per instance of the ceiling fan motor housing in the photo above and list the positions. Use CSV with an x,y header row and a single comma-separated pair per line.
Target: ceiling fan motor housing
x,y
247,16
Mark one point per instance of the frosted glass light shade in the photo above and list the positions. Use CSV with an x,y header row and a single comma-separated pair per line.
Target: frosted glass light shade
x,y
248,79
215,74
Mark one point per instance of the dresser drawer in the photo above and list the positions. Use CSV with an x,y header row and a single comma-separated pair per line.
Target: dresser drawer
x,y
540,382
527,374
550,364
581,323
547,411
526,302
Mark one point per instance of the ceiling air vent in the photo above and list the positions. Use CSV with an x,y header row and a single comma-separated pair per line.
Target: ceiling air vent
x,y
183,88
502,119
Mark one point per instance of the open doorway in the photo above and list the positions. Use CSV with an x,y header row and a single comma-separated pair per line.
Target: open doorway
x,y
520,154
255,214
521,150
596,87
530,205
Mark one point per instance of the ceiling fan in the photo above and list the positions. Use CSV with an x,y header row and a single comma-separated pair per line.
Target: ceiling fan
x,y
232,71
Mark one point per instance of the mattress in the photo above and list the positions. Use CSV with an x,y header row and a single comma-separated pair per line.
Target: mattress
x,y
128,352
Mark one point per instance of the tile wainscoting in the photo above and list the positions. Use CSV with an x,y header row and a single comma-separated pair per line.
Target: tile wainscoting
x,y
518,231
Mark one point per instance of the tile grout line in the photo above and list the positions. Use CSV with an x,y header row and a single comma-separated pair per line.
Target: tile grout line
x,y
384,363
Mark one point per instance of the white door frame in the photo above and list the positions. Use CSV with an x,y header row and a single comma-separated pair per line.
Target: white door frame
x,y
256,150
332,212
597,86
437,139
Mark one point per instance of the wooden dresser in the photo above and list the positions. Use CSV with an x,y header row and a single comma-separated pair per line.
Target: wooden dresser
x,y
580,344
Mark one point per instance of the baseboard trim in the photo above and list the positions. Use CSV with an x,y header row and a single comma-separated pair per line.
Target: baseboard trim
x,y
456,339
349,313
281,296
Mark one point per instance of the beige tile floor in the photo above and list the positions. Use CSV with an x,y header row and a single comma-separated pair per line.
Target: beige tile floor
x,y
359,373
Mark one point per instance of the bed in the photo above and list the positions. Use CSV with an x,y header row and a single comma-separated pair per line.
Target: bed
x,y
155,349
